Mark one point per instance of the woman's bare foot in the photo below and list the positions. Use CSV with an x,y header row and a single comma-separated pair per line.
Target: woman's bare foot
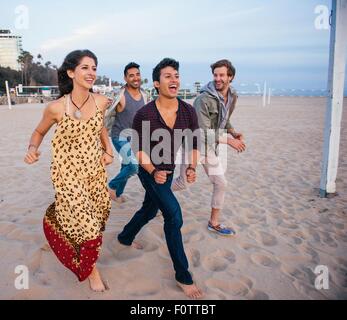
x,y
95,281
191,291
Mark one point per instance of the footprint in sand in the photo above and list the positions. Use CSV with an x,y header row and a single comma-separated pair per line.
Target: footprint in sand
x,y
314,254
266,239
248,246
258,295
123,253
215,264
233,287
299,273
314,235
300,235
193,256
240,223
291,226
219,261
296,240
42,279
192,233
327,239
228,255
142,288
339,226
248,282
192,236
238,288
264,260
149,247
254,219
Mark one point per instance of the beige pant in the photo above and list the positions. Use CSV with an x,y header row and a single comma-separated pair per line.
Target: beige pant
x,y
214,170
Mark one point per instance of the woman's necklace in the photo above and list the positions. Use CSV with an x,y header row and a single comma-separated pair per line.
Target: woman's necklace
x,y
78,113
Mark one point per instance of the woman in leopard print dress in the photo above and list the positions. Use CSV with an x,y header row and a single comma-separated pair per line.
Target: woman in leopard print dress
x,y
74,223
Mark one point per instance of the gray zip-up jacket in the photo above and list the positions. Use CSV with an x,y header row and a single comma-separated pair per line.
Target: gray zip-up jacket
x,y
209,106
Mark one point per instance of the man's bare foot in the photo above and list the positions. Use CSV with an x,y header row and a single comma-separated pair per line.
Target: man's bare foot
x,y
114,197
95,281
137,245
191,291
134,245
121,199
112,194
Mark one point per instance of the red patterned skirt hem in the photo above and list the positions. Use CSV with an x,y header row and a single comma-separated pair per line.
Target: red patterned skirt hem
x,y
80,260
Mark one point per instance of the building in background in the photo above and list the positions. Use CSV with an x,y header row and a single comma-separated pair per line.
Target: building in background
x,y
10,49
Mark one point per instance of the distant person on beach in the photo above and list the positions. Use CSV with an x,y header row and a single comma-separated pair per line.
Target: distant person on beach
x,y
214,107
74,223
118,122
164,117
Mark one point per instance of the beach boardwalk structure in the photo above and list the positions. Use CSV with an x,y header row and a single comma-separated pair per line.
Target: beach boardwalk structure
x,y
336,79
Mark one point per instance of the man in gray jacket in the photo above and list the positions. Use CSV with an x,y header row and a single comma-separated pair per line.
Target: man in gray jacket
x,y
214,107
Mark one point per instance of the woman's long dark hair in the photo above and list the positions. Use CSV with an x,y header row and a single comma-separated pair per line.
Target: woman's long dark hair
x,y
71,61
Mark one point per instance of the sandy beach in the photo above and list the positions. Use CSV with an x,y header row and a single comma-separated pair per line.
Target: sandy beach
x,y
284,230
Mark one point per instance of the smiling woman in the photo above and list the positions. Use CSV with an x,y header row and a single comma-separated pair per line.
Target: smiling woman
x,y
71,63
74,223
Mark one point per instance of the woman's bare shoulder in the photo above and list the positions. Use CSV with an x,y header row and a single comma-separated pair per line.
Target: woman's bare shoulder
x,y
56,108
101,100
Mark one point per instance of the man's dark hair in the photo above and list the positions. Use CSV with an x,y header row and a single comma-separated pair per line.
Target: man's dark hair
x,y
130,66
224,63
167,62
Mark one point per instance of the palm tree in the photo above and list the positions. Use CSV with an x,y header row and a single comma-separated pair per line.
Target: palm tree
x,y
25,59
20,60
40,59
48,64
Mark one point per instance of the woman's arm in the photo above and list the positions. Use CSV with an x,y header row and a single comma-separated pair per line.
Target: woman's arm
x,y
49,118
107,158
106,142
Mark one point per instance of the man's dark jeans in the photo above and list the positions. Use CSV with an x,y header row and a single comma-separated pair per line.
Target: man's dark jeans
x,y
160,196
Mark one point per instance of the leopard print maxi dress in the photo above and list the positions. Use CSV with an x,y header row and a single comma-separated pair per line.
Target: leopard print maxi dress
x,y
74,223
